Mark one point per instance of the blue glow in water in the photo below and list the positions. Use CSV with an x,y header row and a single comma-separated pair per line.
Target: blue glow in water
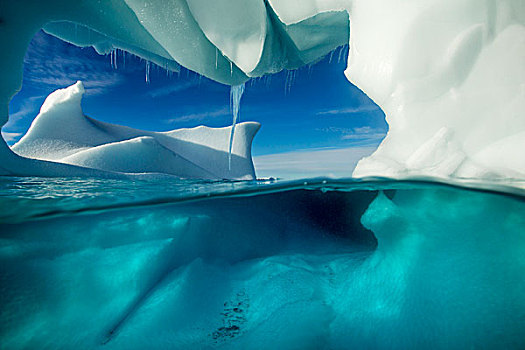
x,y
156,263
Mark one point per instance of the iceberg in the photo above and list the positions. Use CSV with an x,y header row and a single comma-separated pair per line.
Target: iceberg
x,y
62,133
365,263
449,76
286,268
452,89
227,41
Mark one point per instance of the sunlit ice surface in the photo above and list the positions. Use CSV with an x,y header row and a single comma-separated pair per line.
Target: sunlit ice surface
x,y
152,261
318,263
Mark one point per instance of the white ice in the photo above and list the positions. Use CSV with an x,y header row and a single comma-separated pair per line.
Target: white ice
x,y
450,77
62,133
235,105
449,74
227,40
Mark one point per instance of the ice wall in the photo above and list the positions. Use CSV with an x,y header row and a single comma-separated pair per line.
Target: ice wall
x,y
62,133
227,40
447,273
450,76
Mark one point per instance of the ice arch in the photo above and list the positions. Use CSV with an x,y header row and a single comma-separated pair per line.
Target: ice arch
x,y
449,74
227,40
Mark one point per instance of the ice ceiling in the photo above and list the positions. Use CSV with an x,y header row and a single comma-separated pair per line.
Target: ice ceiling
x,y
449,74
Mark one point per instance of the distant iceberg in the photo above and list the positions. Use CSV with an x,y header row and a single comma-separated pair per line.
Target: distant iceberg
x,y
62,133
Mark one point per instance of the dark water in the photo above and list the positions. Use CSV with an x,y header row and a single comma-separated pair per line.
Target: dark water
x,y
311,264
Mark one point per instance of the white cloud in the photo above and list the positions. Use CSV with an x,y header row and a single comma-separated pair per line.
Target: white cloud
x,y
349,110
170,89
200,116
363,134
11,136
29,107
53,66
311,163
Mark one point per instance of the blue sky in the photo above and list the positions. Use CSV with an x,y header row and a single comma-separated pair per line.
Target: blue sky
x,y
321,110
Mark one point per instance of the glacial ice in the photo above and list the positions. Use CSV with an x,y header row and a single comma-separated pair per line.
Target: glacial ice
x,y
450,77
443,269
459,79
228,41
235,105
62,133
448,266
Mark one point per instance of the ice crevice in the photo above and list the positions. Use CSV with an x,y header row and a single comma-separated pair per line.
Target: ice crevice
x,y
450,89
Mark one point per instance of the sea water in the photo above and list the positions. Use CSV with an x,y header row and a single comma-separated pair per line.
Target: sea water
x,y
160,263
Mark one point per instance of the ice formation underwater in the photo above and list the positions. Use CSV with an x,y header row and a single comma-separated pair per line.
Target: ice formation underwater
x,y
393,264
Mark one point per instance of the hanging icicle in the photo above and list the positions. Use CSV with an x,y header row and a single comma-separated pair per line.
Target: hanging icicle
x,y
147,71
236,93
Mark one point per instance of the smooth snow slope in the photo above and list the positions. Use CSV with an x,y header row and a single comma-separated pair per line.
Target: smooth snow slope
x,y
449,74
62,133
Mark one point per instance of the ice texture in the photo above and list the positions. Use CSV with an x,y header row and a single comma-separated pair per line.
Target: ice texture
x,y
62,133
227,40
448,74
450,77
235,106
290,270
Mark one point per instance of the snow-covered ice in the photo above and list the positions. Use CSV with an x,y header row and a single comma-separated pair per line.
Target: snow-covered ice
x,y
449,75
62,133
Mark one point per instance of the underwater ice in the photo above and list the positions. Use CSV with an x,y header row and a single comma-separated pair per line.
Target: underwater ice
x,y
438,268
288,270
62,133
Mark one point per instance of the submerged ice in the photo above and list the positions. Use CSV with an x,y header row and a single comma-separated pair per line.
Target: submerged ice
x,y
430,266
407,268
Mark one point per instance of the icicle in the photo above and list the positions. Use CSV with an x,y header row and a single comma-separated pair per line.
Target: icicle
x,y
267,81
341,50
231,68
235,104
331,56
147,71
115,56
216,57
290,78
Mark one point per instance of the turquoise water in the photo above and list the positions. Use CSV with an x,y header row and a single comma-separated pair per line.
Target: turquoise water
x,y
311,264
